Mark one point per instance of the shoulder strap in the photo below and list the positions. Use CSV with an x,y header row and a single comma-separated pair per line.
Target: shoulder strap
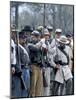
x,y
64,54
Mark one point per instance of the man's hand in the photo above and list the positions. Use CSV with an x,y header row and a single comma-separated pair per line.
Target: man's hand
x,y
13,70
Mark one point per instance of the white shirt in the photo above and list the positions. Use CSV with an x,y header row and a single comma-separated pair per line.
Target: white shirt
x,y
13,54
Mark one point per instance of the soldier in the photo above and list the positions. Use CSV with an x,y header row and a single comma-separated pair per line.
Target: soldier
x,y
15,80
63,73
52,51
50,29
58,33
35,58
44,45
14,31
40,29
27,32
23,61
47,67
71,52
69,37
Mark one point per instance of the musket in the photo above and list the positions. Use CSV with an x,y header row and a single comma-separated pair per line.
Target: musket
x,y
42,55
44,16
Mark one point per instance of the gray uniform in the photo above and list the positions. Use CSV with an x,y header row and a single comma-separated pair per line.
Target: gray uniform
x,y
24,60
63,74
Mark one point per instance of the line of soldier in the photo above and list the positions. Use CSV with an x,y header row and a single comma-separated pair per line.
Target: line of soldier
x,y
41,64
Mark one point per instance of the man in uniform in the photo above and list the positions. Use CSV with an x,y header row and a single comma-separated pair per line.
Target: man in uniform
x,y
70,39
36,88
52,51
63,73
15,80
40,29
71,51
50,29
23,61
58,33
27,32
45,46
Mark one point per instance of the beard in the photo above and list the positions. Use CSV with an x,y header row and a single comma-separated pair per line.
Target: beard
x,y
62,47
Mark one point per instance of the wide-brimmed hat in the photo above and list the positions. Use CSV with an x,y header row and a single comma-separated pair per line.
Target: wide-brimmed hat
x,y
27,28
63,39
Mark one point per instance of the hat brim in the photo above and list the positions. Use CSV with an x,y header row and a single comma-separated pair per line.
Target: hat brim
x,y
15,30
66,42
27,30
50,30
46,34
58,32
36,35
